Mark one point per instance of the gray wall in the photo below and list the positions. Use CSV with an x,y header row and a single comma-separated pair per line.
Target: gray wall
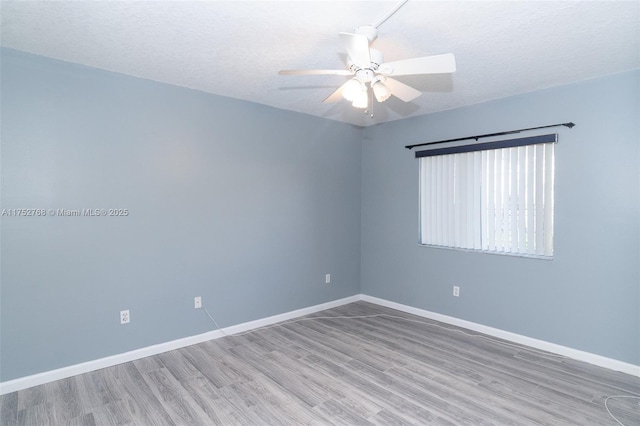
x,y
245,205
588,296
249,206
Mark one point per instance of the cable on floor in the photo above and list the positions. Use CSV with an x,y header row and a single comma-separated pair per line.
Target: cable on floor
x,y
616,397
458,330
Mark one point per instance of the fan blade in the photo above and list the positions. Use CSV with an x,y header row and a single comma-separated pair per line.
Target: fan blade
x,y
436,64
335,96
358,49
401,90
315,72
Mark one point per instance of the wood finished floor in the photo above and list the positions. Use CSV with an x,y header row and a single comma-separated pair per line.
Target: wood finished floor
x,y
379,370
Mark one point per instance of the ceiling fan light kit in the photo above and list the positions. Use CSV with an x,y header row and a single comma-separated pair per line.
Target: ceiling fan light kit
x,y
352,88
380,90
361,100
366,66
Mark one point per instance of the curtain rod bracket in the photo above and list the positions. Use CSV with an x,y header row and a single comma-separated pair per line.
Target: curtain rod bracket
x,y
477,137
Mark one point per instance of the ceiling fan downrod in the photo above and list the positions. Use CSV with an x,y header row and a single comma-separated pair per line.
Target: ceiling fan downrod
x,y
389,14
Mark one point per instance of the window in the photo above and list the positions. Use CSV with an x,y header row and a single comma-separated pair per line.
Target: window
x,y
495,197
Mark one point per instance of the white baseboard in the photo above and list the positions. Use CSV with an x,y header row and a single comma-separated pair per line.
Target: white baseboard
x,y
601,361
86,367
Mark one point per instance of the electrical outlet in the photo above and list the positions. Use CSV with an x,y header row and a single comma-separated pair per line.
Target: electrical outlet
x,y
327,278
124,317
197,302
456,291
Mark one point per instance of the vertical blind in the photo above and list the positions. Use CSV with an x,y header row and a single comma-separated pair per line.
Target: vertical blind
x,y
496,197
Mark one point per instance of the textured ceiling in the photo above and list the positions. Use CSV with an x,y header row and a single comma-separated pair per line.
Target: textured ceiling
x,y
235,48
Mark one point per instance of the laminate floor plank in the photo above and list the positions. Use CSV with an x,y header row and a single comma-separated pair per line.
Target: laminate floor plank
x,y
142,405
339,414
179,366
303,372
311,342
404,355
112,413
257,340
468,347
534,409
425,398
364,350
351,350
386,418
262,409
231,411
362,400
428,355
31,396
147,364
463,394
307,392
383,368
209,366
567,384
174,398
289,409
261,412
40,414
217,349
83,420
281,341
66,400
503,362
96,389
212,403
350,397
378,393
241,371
9,409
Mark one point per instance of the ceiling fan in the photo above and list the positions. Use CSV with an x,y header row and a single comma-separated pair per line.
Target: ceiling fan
x,y
370,72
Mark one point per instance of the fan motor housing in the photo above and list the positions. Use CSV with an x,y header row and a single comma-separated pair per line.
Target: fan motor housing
x,y
365,75
368,31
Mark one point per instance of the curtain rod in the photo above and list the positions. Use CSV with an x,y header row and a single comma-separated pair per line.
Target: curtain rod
x,y
510,132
